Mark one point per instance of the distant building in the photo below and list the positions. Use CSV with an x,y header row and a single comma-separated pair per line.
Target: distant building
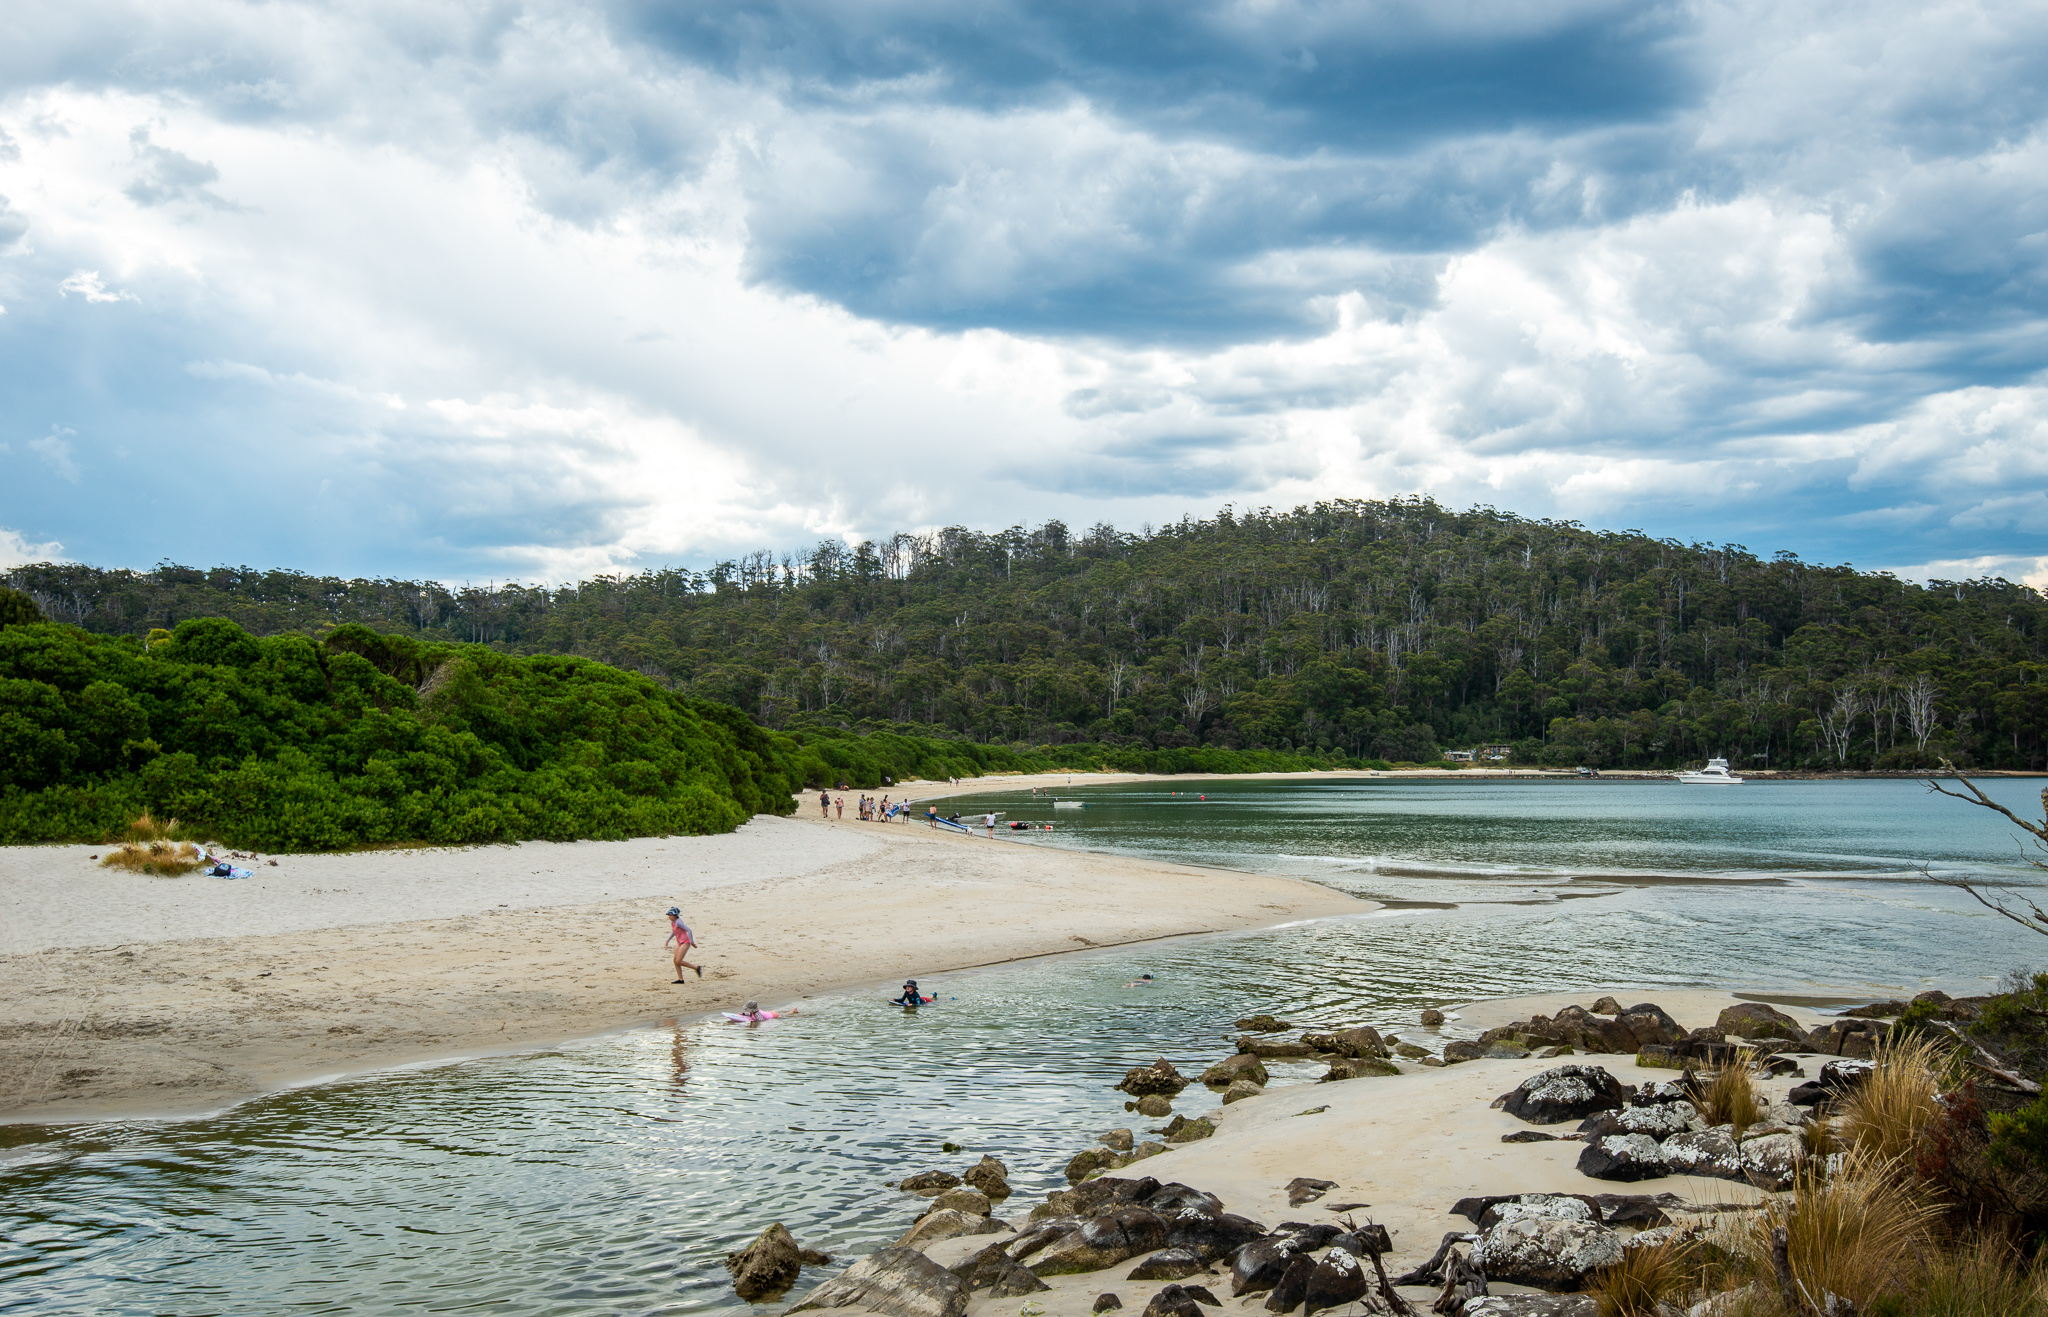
x,y
1495,751
1458,756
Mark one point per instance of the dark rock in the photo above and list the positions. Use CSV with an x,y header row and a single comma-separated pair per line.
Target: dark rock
x,y
1107,1303
1365,1067
1159,1078
1104,1241
1308,1237
1643,1211
1770,1161
1240,1089
1463,1049
1840,1077
994,1270
1753,1019
1431,1017
1183,1130
1372,1238
1263,1024
1168,1264
1362,1041
1658,1054
1258,1265
1566,1092
1172,1301
962,1199
1201,1294
1622,1157
1117,1140
929,1183
1877,1010
1337,1280
1089,1199
1659,1122
1232,1068
1038,1236
1607,1006
1475,1207
900,1282
1550,1254
766,1268
1498,1051
948,1224
1302,1190
1273,1049
1210,1236
1651,1026
1660,1093
1932,997
1174,1196
1528,1136
1089,1159
1548,1207
815,1258
990,1176
1410,1051
1292,1285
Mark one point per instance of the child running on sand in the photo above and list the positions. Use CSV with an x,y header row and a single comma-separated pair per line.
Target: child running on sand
x,y
679,933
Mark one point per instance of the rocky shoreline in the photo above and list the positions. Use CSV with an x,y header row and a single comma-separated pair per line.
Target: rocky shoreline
x,y
1170,1238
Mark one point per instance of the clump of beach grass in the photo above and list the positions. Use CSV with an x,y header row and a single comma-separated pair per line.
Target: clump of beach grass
x,y
1985,1279
1886,1115
1729,1095
154,848
1649,1280
1861,1234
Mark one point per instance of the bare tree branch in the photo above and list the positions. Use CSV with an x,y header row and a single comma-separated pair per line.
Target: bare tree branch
x,y
2038,921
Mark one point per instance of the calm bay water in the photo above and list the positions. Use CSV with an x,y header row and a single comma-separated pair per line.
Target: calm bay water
x,y
612,1176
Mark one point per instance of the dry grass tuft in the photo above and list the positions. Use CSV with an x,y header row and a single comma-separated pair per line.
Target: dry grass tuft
x,y
1987,1279
1729,1095
1886,1115
1647,1277
153,848
1859,1234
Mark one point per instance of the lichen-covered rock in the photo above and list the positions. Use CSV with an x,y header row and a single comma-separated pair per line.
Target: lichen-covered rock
x,y
1659,1122
1545,1207
1623,1157
1529,1250
1659,1092
1337,1280
1090,1159
1233,1068
1651,1025
1463,1049
767,1267
1709,1152
1531,1305
1239,1090
990,1176
1753,1019
1160,1077
1210,1235
1410,1051
948,1224
1566,1092
1258,1265
899,1282
929,1183
1168,1264
1183,1130
1771,1160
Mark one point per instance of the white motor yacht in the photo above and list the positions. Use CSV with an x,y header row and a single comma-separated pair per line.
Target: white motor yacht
x,y
1716,772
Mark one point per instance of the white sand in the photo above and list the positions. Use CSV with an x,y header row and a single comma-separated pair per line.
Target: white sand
x,y
123,993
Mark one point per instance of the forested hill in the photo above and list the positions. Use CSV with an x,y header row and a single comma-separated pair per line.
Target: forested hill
x,y
1366,629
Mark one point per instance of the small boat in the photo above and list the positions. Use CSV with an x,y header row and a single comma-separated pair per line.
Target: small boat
x,y
1070,804
1715,773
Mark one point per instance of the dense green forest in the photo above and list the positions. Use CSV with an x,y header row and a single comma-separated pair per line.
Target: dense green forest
x,y
362,738
1341,631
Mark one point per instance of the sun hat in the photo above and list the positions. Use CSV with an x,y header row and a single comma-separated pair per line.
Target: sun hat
x,y
753,1006
674,910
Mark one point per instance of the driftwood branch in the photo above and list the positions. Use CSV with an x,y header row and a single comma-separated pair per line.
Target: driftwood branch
x,y
1430,1272
1781,1262
1370,1238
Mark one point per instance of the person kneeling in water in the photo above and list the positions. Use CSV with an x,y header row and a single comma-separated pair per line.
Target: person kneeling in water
x,y
910,997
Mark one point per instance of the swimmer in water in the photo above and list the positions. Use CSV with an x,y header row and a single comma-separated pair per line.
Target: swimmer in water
x,y
1142,981
753,1014
679,933
910,996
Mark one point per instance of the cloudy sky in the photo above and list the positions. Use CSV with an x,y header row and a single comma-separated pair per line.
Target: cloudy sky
x,y
494,289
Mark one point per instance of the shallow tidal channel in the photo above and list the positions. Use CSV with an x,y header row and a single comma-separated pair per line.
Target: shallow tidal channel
x,y
613,1175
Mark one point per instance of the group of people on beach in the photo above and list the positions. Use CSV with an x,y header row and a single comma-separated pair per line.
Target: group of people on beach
x,y
866,808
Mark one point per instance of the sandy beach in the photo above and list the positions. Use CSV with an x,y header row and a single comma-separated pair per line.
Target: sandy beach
x,y
134,995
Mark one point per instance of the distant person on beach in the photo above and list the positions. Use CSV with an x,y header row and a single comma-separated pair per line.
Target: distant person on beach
x,y
679,933
990,820
1142,981
841,803
931,813
824,804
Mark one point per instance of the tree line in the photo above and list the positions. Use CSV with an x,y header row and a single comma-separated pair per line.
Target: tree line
x,y
1344,631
